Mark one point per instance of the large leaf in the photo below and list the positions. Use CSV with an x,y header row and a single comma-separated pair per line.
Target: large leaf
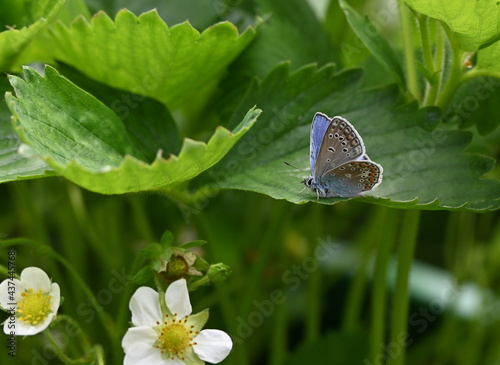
x,y
21,13
87,143
14,166
475,23
290,32
143,55
423,167
147,121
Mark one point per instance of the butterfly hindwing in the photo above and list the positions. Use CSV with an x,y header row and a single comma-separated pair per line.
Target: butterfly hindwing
x,y
352,178
341,143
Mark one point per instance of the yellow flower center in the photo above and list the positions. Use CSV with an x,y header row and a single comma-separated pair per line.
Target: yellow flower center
x,y
175,336
34,307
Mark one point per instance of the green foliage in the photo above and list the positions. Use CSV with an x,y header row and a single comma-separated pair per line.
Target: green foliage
x,y
89,144
406,141
143,55
26,20
13,165
475,23
112,138
196,106
375,42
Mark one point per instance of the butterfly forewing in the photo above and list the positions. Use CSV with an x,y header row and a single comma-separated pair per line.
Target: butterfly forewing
x,y
340,144
318,128
353,178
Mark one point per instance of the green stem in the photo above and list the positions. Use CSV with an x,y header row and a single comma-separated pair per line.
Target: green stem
x,y
455,75
408,240
355,298
60,354
431,85
385,245
439,59
411,68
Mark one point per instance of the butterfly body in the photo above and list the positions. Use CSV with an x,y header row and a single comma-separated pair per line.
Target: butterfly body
x,y
339,164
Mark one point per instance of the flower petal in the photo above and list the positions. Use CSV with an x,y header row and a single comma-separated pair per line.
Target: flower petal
x,y
135,335
36,279
55,297
177,298
7,324
145,307
212,345
10,291
138,346
23,329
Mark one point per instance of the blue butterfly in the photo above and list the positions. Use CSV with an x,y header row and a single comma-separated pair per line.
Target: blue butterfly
x,y
339,164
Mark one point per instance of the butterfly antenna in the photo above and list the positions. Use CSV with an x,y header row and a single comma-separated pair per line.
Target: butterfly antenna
x,y
295,167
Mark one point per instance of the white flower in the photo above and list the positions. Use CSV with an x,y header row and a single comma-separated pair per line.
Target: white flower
x,y
173,338
32,302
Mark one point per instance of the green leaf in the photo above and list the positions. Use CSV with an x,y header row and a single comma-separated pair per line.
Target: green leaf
x,y
201,14
14,166
14,41
291,32
147,121
87,143
192,244
476,102
166,239
475,23
66,123
433,78
143,55
487,58
375,42
424,166
143,275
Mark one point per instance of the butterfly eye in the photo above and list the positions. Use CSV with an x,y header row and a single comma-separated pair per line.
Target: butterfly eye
x,y
336,135
330,136
344,150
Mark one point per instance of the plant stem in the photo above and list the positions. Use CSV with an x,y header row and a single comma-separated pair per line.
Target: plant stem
x,y
439,57
411,68
279,338
407,243
351,318
385,244
431,85
455,75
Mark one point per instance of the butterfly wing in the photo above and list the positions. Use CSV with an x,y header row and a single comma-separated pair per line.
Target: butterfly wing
x,y
319,126
351,179
341,143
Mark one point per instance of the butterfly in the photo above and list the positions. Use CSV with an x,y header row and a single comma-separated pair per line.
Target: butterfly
x,y
339,164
